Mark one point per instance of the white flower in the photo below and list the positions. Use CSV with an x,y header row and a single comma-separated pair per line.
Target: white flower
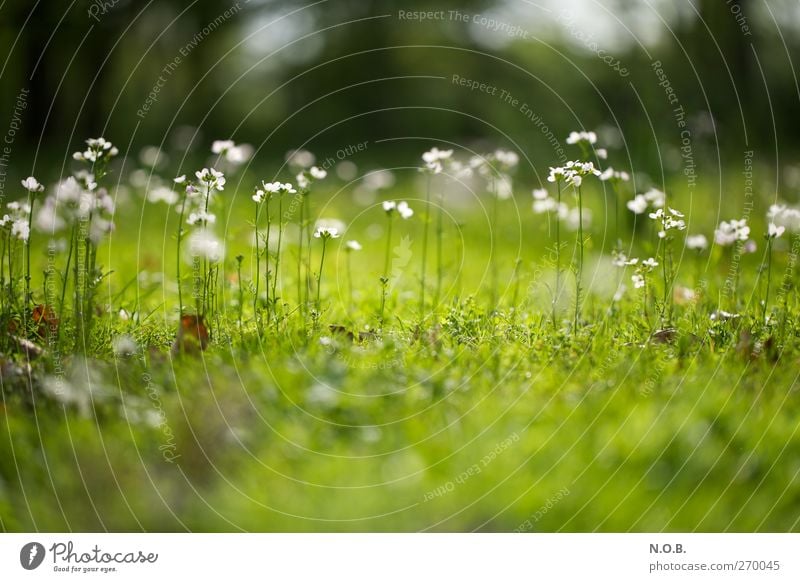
x,y
774,231
162,194
619,259
650,263
326,233
353,245
656,198
404,210
612,174
300,158
19,229
576,137
278,188
99,149
501,187
31,184
458,169
201,217
47,219
506,158
434,157
540,194
239,154
203,243
543,206
221,146
602,153
638,205
775,210
697,242
213,178
730,232
259,196
180,179
317,173
638,281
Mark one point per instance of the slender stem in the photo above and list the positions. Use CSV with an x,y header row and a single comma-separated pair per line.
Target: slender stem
x,y
266,260
579,271
258,265
439,250
492,259
385,278
300,253
769,275
319,275
178,255
425,245
277,256
557,293
349,280
27,297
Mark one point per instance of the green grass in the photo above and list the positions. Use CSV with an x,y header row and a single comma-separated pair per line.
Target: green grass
x,y
473,417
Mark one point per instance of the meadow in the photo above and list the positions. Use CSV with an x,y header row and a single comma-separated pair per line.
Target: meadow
x,y
434,348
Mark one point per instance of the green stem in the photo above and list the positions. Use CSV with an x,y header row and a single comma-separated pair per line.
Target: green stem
x,y
769,275
277,257
385,278
425,245
258,266
579,271
439,250
27,297
178,255
319,276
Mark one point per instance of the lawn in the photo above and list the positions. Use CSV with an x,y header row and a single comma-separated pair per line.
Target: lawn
x,y
382,400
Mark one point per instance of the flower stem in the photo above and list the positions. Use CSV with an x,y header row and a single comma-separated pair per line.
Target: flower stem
x,y
277,259
178,255
769,275
319,275
385,278
258,265
579,271
425,245
27,297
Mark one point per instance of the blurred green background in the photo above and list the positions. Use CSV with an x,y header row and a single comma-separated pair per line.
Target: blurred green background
x,y
324,75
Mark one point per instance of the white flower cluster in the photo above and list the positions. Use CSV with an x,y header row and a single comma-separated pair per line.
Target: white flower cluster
x,y
98,150
270,189
577,137
543,203
75,200
434,159
213,179
670,219
32,185
16,222
326,232
572,173
231,152
785,216
642,269
402,208
653,198
614,175
696,242
308,177
731,232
